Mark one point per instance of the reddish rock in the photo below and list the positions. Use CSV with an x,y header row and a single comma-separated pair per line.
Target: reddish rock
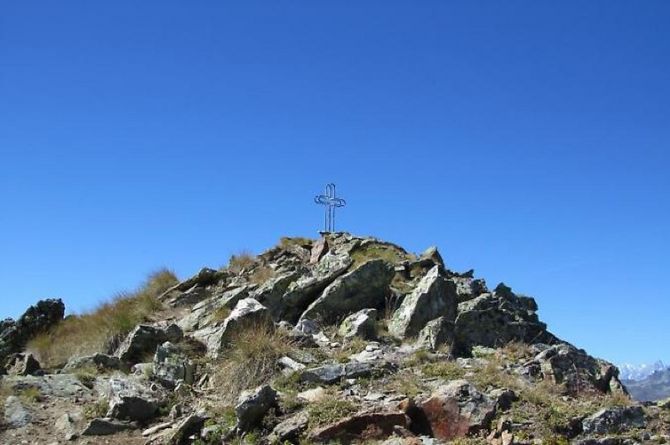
x,y
369,426
456,410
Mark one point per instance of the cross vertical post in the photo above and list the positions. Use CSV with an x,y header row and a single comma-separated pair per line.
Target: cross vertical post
x,y
331,202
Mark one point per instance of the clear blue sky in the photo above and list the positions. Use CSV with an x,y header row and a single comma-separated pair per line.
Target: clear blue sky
x,y
529,140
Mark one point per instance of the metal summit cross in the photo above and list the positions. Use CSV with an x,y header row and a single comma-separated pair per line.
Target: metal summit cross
x,y
331,202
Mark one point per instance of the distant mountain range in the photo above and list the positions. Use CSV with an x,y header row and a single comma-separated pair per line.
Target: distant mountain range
x,y
654,387
628,371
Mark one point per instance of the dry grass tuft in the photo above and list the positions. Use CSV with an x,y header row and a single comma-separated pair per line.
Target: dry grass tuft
x,y
91,332
387,253
285,242
241,261
329,410
250,360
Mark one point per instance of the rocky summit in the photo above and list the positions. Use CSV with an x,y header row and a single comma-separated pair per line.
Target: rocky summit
x,y
341,339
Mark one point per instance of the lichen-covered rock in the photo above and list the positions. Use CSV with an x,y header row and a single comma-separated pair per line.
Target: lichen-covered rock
x,y
574,368
361,324
189,426
270,293
457,409
493,320
433,297
364,287
437,333
144,339
614,420
129,399
307,288
290,429
172,366
247,312
253,405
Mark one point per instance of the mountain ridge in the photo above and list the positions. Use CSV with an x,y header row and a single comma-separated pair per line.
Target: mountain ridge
x,y
342,338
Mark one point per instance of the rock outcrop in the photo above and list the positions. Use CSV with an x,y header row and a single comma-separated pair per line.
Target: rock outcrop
x,y
343,339
38,318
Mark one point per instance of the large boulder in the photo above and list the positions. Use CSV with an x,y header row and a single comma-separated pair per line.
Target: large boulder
x,y
307,288
578,371
144,340
361,324
437,333
38,318
129,399
172,366
364,287
615,420
493,320
270,293
247,312
433,297
253,405
457,409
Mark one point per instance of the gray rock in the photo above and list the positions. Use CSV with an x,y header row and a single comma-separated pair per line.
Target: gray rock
x,y
16,415
22,364
493,320
574,368
433,297
67,425
100,361
50,385
364,287
144,339
191,425
458,409
361,324
333,373
270,293
247,312
436,333
130,399
38,318
290,429
170,366
614,420
106,427
307,288
468,288
253,405
431,257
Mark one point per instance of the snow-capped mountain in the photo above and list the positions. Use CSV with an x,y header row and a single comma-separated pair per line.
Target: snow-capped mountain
x,y
639,372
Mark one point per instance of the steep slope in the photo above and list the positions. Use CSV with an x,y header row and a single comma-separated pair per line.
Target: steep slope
x,y
341,339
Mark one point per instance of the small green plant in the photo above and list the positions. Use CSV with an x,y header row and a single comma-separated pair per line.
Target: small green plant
x,y
329,410
97,409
